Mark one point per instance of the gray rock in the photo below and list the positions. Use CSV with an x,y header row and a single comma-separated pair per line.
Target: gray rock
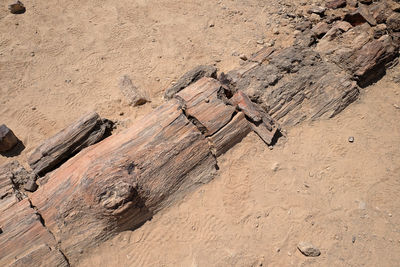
x,y
31,186
319,10
191,77
133,94
308,249
7,138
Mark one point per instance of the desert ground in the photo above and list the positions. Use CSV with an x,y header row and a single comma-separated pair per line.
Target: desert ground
x,y
62,59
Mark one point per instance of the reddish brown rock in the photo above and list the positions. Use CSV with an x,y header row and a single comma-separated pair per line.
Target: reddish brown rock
x,y
321,29
7,138
336,4
82,133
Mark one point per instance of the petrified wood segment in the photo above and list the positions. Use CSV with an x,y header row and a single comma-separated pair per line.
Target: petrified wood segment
x,y
119,183
22,234
190,77
84,132
229,135
201,102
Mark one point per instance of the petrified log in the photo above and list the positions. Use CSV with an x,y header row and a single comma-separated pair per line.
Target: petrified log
x,y
122,181
84,132
190,77
7,138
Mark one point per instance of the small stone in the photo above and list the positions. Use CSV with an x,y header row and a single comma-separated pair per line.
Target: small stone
x,y
321,29
33,108
17,8
32,54
260,42
390,215
31,186
393,22
243,57
336,4
353,239
319,10
366,2
275,167
343,26
351,139
275,31
7,138
308,249
134,95
121,113
315,18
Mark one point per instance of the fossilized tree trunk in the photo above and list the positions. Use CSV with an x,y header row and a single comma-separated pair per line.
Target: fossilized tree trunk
x,y
121,182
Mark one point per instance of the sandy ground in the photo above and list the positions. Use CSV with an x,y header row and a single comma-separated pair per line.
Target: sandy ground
x,y
64,58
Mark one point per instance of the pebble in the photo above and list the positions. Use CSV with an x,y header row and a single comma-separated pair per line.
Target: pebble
x,y
275,167
308,249
17,8
31,186
353,239
260,42
351,139
275,31
243,57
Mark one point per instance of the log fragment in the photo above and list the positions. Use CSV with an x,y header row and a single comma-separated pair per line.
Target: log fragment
x,y
229,135
82,133
262,124
22,233
190,77
201,102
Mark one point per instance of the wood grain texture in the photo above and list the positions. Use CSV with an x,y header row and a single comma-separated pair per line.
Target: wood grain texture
x,y
84,132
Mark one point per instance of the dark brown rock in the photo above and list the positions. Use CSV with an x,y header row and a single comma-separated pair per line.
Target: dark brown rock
x,y
31,186
134,95
336,4
366,2
360,16
393,22
369,63
321,29
189,78
17,8
82,133
7,138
